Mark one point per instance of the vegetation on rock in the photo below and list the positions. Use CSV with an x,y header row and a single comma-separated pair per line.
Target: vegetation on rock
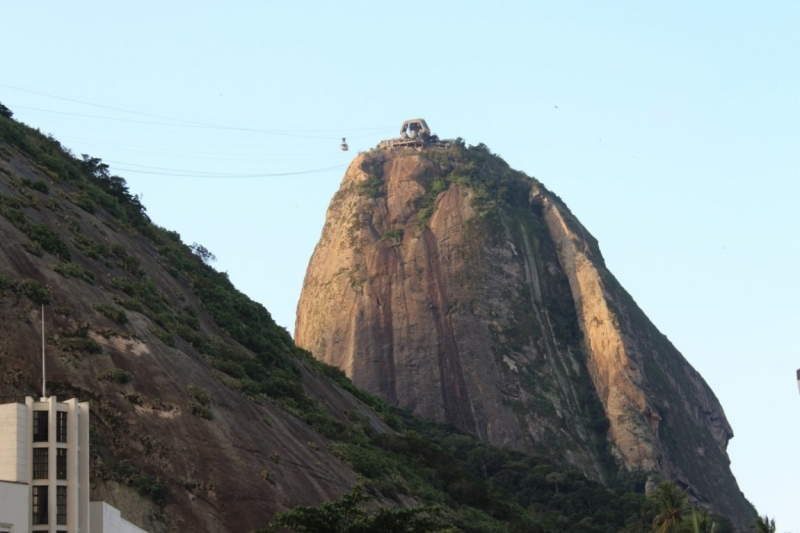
x,y
672,513
345,516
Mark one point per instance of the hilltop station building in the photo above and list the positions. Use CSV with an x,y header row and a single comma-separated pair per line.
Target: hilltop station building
x,y
44,471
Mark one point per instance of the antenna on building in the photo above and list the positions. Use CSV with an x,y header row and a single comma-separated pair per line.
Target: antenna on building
x,y
44,389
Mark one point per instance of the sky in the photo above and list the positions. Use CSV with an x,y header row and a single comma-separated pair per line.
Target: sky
x,y
672,131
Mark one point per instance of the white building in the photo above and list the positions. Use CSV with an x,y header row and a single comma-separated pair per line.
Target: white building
x,y
44,471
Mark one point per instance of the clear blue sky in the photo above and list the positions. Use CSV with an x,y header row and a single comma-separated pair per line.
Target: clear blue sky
x,y
672,130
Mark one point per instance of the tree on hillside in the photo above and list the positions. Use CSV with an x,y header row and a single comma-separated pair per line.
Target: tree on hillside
x,y
5,112
764,525
671,508
203,253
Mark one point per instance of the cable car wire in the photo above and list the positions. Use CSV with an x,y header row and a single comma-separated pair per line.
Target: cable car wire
x,y
287,133
190,174
141,134
173,152
192,124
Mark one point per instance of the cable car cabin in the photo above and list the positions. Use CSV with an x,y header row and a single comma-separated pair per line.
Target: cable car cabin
x,y
344,146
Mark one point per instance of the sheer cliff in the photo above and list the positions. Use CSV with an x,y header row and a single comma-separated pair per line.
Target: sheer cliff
x,y
448,283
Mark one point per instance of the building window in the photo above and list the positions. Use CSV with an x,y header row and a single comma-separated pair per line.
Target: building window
x,y
40,426
61,426
61,463
40,505
61,506
40,463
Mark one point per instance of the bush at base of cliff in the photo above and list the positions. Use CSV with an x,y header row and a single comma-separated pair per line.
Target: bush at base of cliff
x,y
345,516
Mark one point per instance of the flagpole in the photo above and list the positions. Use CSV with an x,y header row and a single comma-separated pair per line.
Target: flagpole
x,y
44,390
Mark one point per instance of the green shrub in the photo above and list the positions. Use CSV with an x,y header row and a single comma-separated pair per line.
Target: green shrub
x,y
131,304
198,409
367,461
197,340
49,240
90,248
163,336
438,186
81,345
394,234
126,472
33,248
231,368
35,292
199,395
85,203
189,320
40,186
372,187
249,388
150,487
372,166
126,261
164,320
144,291
72,270
16,217
77,340
201,404
112,313
117,375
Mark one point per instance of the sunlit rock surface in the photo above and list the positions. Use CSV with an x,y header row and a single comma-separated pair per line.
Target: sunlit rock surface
x,y
450,284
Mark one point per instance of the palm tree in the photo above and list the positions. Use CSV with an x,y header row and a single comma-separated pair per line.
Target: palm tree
x,y
701,522
671,508
764,525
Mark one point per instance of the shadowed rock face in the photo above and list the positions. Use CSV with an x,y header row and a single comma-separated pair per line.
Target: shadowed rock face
x,y
498,315
229,474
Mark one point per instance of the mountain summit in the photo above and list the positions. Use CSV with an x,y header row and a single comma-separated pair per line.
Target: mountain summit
x,y
451,284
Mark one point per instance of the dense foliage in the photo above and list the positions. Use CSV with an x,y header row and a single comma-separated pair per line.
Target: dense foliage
x,y
493,183
345,516
672,513
668,505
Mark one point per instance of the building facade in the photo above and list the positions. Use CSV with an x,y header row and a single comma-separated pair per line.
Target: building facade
x,y
44,471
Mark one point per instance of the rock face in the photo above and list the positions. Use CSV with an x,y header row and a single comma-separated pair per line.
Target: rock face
x,y
177,445
450,284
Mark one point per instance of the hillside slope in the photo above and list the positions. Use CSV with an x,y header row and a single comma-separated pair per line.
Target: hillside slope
x,y
156,341
448,283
